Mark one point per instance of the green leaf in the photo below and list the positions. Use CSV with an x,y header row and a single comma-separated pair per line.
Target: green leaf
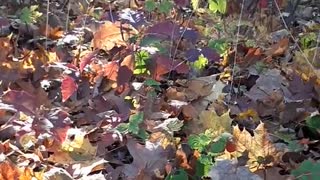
x,y
141,58
219,146
313,123
29,15
195,4
134,122
306,170
136,118
220,45
165,7
205,159
200,63
152,83
199,142
218,6
123,127
143,134
178,175
150,5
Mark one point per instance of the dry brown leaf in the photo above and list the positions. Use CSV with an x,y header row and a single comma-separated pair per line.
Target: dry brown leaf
x,y
279,48
262,152
111,34
5,48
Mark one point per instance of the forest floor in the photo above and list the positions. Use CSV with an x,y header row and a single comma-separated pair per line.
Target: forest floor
x,y
171,89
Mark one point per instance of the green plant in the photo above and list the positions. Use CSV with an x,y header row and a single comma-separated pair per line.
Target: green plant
x,y
179,174
308,40
200,63
164,6
141,59
307,171
220,45
218,6
133,126
208,149
29,14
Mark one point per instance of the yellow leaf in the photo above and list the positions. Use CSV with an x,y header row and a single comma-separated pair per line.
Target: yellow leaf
x,y
78,143
262,152
209,120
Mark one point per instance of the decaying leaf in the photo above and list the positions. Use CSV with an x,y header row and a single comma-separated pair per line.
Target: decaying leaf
x,y
262,152
209,120
112,35
147,160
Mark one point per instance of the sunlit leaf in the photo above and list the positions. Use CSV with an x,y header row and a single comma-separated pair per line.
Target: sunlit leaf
x,y
200,63
262,152
195,4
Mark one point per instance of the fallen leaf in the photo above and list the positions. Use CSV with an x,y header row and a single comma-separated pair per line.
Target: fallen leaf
x,y
227,169
262,152
147,158
68,87
209,120
8,171
112,35
279,48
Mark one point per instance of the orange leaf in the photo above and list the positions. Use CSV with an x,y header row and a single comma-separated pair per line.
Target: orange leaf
x,y
52,33
68,87
111,70
8,171
279,48
5,48
111,34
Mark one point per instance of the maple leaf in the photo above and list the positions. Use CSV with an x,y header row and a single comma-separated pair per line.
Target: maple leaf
x,y
261,151
112,35
210,121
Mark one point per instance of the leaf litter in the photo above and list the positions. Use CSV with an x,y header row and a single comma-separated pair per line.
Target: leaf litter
x,y
159,90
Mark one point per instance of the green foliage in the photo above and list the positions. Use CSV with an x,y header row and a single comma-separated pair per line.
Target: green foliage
x,y
152,83
308,40
133,126
199,142
219,146
218,6
307,170
29,15
165,7
289,138
150,5
141,58
220,45
180,174
200,63
202,169
313,124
